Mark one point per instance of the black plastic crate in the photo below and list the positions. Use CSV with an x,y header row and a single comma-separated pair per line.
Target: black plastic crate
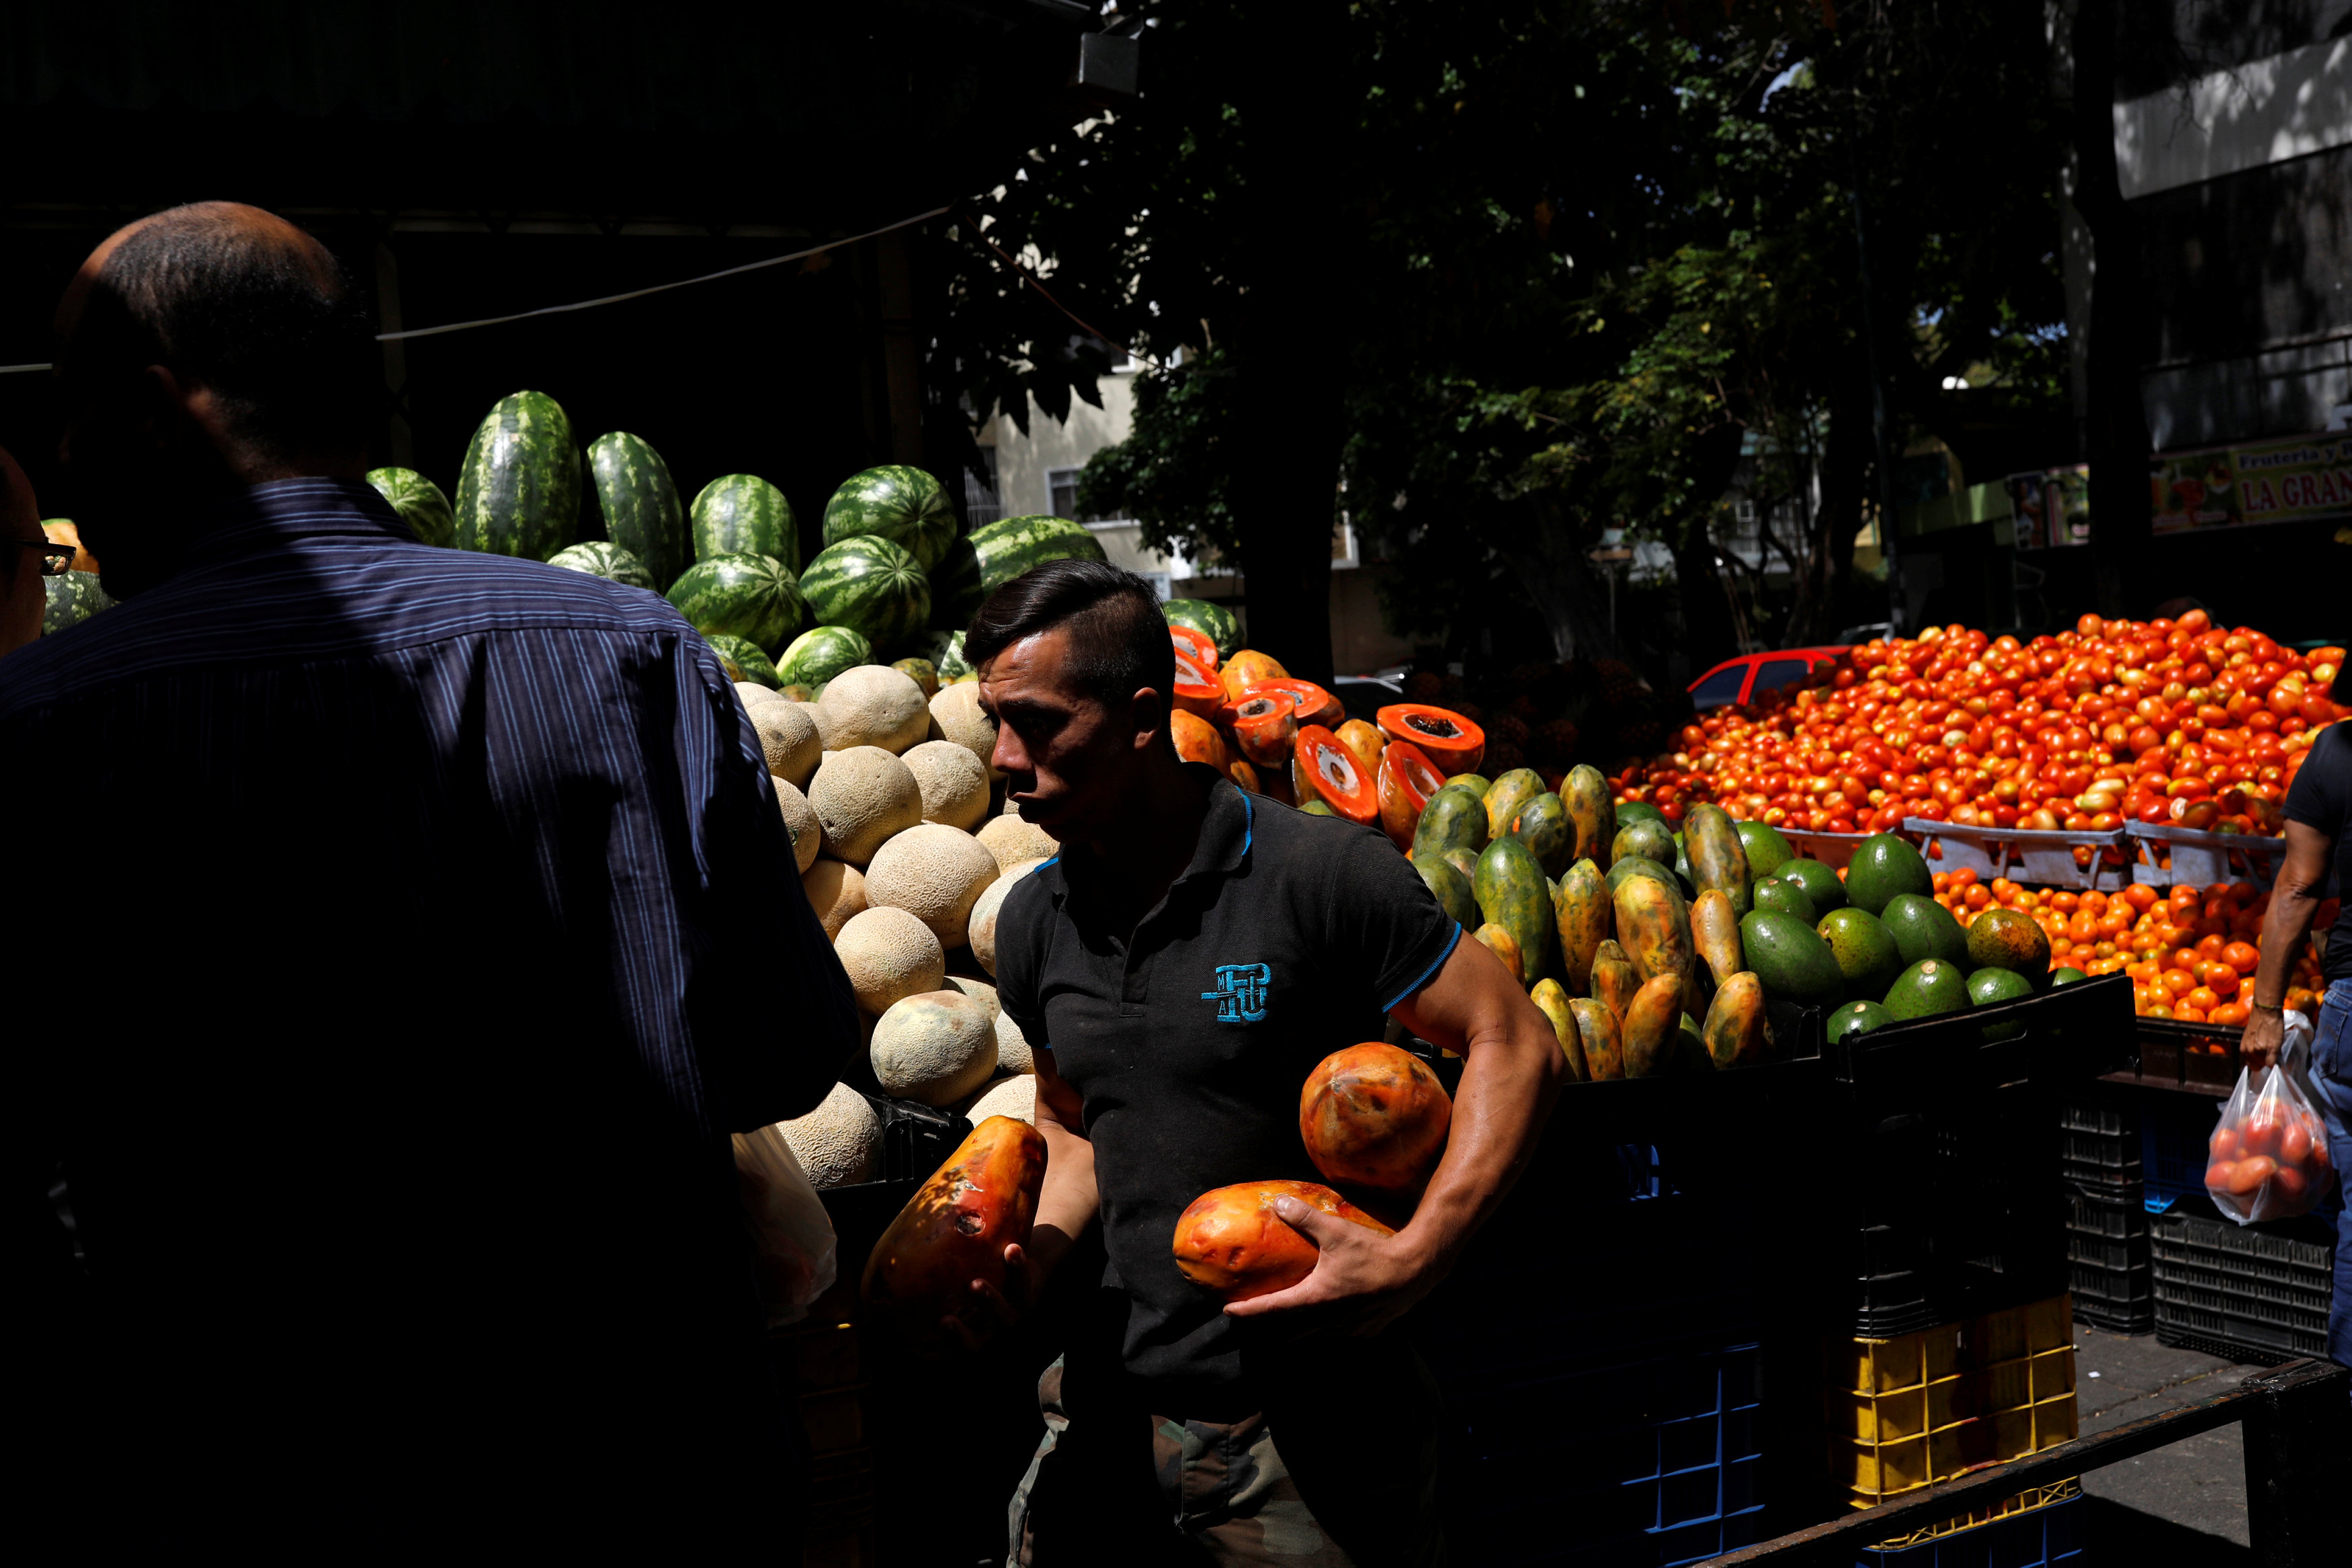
x,y
2099,1144
2256,1292
2063,1036
2107,1254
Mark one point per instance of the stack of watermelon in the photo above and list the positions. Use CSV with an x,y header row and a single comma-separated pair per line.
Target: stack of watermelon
x,y
896,581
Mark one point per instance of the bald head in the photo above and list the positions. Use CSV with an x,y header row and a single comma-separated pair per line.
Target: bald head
x,y
242,304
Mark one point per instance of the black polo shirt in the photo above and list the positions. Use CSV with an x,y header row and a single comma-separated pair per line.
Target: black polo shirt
x,y
1288,937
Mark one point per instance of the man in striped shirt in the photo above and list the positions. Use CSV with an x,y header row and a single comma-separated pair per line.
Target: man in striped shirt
x,y
417,926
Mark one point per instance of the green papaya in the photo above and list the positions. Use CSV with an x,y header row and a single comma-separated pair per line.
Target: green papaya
x,y
1614,979
1641,865
1651,840
1651,1021
1454,817
1653,928
1553,1003
1512,892
1585,917
1498,940
1716,859
1590,807
1452,891
1737,1032
1715,933
1543,826
1511,791
1596,1026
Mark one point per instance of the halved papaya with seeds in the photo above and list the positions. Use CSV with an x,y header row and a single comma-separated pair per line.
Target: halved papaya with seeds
x,y
1404,783
1197,739
1315,705
1197,646
1331,771
1450,741
1263,728
1197,688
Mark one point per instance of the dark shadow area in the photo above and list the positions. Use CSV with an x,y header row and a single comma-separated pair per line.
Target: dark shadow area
x,y
2113,1536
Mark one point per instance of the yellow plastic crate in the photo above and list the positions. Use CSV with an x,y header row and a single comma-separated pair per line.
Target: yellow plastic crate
x,y
1925,1407
2021,1502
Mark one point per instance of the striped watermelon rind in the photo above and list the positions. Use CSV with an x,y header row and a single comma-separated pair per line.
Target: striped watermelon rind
x,y
820,653
419,502
638,501
749,596
994,554
601,558
71,597
871,586
1211,620
751,662
742,514
903,505
518,492
945,651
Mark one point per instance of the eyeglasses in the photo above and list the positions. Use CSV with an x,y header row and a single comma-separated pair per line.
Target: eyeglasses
x,y
56,559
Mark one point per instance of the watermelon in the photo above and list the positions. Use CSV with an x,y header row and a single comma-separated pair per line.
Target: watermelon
x,y
821,654
751,596
742,514
1213,621
519,493
73,596
750,663
994,554
419,502
945,651
609,561
903,505
871,586
640,505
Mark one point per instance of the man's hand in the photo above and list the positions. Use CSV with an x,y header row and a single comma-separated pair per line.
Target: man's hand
x,y
2265,1033
991,1310
1363,1283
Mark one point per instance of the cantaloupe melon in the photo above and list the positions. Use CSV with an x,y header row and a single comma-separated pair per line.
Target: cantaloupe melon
x,y
836,890
873,705
1013,841
752,695
1012,1050
864,794
957,711
1014,1097
979,928
934,1048
889,955
807,836
980,991
934,873
839,1143
788,736
953,783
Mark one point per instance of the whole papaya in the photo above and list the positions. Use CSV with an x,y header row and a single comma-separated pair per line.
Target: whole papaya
x,y
1511,791
1465,863
1605,1056
1716,861
1586,793
955,1229
1614,979
1585,917
1655,927
1553,1003
1230,1242
1737,1032
1512,892
1645,837
1497,940
1543,826
1714,932
1454,819
1651,1021
1375,1116
1452,888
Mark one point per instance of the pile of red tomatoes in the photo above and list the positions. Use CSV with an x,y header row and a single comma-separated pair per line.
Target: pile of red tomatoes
x,y
2154,721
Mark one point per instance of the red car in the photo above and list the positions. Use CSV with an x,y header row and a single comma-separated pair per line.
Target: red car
x,y
1750,676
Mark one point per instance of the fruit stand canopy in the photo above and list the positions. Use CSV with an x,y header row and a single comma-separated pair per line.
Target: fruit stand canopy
x,y
813,116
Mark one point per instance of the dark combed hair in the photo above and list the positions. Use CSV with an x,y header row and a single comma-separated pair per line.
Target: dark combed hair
x,y
275,329
1118,639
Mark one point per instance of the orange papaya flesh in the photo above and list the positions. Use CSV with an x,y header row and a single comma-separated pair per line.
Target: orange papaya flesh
x,y
1374,1117
1451,741
1197,646
1229,1242
954,1230
1405,782
1331,771
1197,689
1315,705
1263,728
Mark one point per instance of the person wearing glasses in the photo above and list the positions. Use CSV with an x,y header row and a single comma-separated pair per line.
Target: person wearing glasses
x,y
28,557
428,926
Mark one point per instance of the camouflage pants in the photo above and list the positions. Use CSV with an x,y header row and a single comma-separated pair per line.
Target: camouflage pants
x,y
1160,1489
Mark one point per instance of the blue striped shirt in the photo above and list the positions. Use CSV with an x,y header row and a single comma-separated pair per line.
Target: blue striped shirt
x,y
418,924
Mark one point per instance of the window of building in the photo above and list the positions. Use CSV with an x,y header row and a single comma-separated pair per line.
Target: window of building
x,y
1062,493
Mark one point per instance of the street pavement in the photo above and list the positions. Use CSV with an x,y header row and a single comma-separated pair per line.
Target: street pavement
x,y
2182,1503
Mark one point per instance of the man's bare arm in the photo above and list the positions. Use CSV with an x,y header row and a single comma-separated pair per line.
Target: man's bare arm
x,y
2286,925
1512,1067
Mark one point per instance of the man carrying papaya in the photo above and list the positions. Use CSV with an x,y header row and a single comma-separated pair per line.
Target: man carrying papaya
x,y
1180,969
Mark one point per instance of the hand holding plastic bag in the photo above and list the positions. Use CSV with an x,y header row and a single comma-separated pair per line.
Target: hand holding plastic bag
x,y
791,1236
2270,1151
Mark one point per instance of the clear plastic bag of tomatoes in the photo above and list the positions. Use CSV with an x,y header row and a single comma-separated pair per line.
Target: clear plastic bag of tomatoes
x,y
2270,1150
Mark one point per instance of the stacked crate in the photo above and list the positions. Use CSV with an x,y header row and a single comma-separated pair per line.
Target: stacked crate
x,y
2106,1215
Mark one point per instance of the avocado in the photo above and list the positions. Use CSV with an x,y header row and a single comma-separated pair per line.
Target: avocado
x,y
1864,950
2066,977
1990,987
1785,897
1923,928
2009,939
1767,851
1857,1018
1928,988
1883,866
1821,884
1794,965
1628,810
1651,840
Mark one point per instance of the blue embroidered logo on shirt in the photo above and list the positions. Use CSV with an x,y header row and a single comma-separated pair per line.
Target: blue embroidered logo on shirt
x,y
1240,995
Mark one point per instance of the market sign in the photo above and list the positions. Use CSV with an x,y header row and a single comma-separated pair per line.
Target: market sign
x,y
2253,481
